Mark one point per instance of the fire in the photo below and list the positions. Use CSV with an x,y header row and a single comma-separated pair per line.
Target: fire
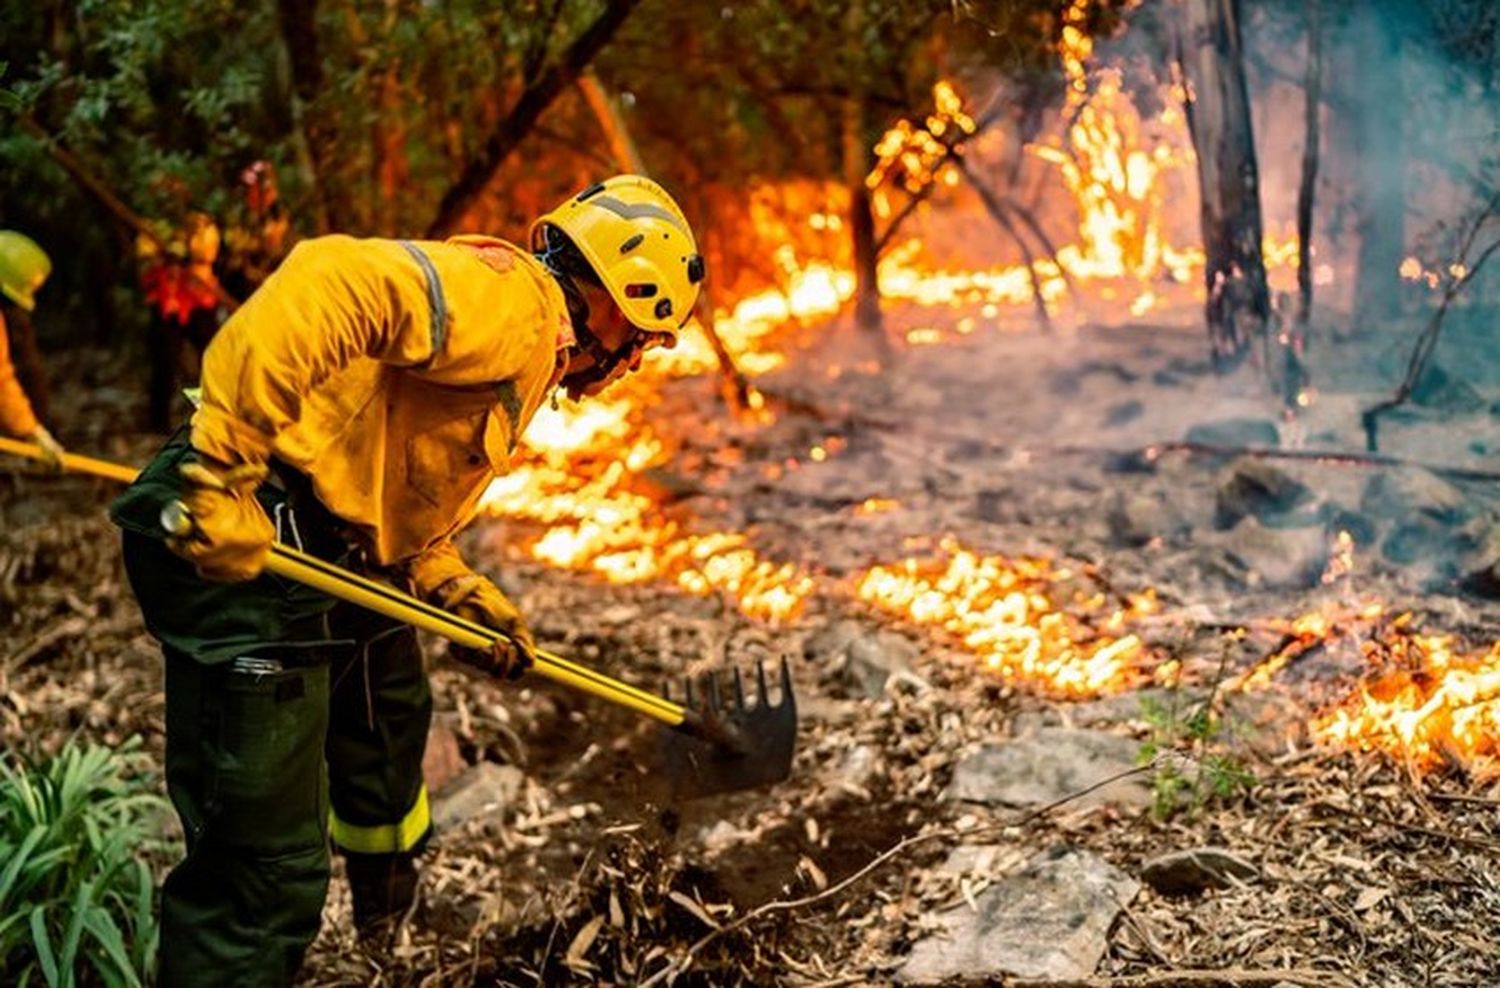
x,y
1423,704
1006,612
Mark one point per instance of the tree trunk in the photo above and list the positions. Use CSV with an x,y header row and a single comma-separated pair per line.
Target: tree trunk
x,y
1380,166
534,101
857,145
1311,137
298,20
1218,111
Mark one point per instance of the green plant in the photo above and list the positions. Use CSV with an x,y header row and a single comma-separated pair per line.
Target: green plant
x,y
1190,734
77,896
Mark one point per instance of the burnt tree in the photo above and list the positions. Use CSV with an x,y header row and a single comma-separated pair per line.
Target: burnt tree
x,y
1310,139
1211,54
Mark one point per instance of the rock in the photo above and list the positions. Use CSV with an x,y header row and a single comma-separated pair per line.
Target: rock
x,y
1236,432
1422,538
857,769
1195,870
1402,492
1052,763
1480,566
1123,413
1255,488
1289,559
864,660
1135,519
980,859
1335,519
482,791
1049,920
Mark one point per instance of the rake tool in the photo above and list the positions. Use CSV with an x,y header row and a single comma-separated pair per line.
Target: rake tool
x,y
714,744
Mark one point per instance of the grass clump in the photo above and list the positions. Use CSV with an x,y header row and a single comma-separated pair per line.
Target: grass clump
x,y
77,894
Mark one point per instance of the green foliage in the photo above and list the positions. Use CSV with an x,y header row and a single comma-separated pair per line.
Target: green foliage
x,y
76,891
1189,737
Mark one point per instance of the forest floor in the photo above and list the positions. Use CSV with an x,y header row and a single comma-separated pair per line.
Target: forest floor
x,y
1362,869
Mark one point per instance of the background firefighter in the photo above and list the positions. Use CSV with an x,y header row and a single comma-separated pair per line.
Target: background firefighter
x,y
357,406
24,268
183,293
260,235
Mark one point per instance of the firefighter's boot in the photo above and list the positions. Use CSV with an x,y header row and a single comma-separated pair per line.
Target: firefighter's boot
x,y
383,887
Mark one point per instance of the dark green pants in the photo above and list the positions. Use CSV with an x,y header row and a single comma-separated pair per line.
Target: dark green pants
x,y
285,717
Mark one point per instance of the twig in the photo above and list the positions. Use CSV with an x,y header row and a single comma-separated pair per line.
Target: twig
x,y
681,963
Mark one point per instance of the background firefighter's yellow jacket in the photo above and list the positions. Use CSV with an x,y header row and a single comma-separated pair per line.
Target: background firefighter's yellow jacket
x,y
397,375
16,416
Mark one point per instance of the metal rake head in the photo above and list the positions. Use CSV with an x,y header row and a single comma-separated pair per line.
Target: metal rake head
x,y
728,742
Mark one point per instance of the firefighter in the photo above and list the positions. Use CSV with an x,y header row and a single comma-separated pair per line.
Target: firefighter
x,y
260,238
24,268
356,407
184,295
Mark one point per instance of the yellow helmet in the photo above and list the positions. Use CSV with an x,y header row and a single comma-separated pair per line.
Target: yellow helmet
x,y
636,239
23,268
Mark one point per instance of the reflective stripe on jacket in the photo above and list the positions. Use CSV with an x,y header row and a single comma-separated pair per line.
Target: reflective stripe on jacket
x,y
16,416
397,375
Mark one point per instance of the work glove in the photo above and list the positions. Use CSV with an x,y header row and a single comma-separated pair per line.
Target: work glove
x,y
52,450
231,535
476,599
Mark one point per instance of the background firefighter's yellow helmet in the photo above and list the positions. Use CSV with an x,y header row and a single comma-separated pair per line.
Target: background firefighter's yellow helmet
x,y
638,242
24,268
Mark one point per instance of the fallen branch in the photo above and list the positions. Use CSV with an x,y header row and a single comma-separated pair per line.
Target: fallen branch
x,y
680,964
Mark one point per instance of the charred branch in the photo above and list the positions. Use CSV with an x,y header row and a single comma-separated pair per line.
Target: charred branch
x,y
1001,216
1428,339
534,101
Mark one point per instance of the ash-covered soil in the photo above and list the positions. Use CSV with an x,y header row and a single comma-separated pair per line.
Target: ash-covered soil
x,y
1366,871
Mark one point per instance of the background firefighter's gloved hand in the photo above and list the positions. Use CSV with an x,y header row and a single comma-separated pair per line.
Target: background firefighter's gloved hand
x,y
231,536
480,601
52,450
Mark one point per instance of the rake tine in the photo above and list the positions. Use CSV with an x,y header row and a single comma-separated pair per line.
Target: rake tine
x,y
739,690
713,699
687,685
764,697
786,683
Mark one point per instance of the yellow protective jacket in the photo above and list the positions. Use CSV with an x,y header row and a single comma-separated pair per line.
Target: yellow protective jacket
x,y
16,416
396,374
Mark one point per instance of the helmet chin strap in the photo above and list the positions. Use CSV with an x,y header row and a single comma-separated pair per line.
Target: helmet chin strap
x,y
604,361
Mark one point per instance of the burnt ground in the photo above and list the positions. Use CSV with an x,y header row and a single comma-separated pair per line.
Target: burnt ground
x,y
1370,871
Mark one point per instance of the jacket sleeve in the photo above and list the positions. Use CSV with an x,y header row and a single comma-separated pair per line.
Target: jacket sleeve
x,y
332,301
16,416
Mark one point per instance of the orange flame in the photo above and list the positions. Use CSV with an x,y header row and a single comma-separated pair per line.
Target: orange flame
x,y
1005,612
1423,704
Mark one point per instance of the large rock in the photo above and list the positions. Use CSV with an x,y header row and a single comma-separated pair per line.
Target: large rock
x,y
1441,391
485,790
1254,488
1197,869
1052,763
1049,920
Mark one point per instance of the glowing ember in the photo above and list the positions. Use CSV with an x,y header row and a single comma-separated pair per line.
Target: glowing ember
x,y
1005,611
1424,705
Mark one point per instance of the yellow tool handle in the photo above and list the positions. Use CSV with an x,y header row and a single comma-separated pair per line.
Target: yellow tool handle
x,y
70,461
344,584
356,589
